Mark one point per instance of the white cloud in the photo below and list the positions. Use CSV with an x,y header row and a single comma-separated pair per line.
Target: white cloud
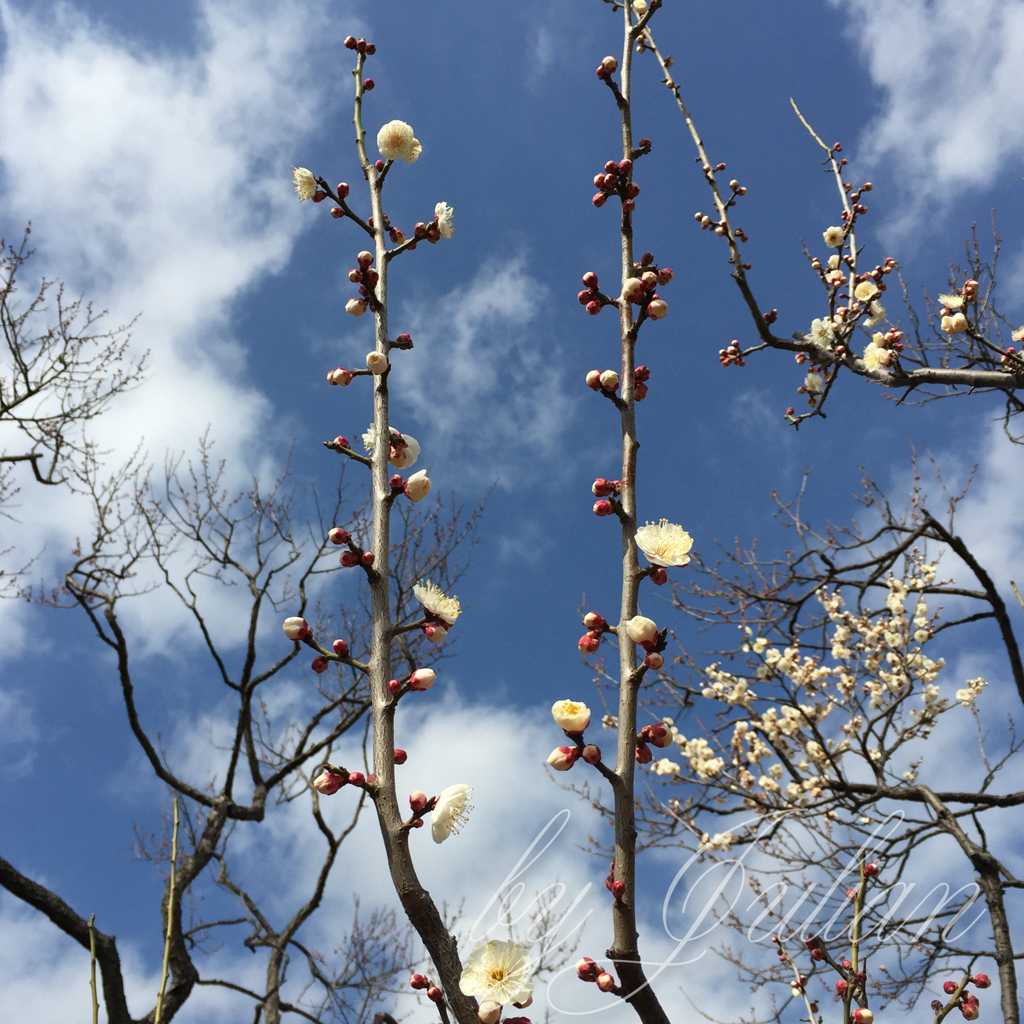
x,y
953,103
159,182
484,377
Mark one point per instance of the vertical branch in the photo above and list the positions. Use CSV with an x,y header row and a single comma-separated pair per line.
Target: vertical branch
x,y
170,919
92,970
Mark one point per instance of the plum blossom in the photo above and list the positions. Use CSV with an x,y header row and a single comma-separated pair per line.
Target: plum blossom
x,y
395,142
417,487
866,290
444,215
304,182
822,332
642,630
498,971
664,543
876,357
833,236
437,602
450,812
571,715
666,767
814,383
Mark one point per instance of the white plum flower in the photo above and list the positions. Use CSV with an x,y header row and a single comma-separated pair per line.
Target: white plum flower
x,y
814,383
417,486
822,332
499,971
664,543
642,630
304,182
445,219
666,767
866,290
395,142
876,313
571,715
450,811
833,237
437,602
875,357
952,301
1017,335
403,455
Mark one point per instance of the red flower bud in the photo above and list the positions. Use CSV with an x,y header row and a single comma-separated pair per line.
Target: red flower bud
x,y
356,778
400,756
603,508
348,559
434,994
589,643
949,987
590,280
367,558
394,687
340,648
618,889
981,981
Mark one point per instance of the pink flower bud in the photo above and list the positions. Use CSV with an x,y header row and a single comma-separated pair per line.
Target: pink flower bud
x,y
594,621
870,870
851,894
336,212
981,981
372,277
642,630
591,753
376,362
340,377
584,296
949,987
603,508
586,969
394,687
422,679
296,628
340,648
643,754
590,280
841,986
350,44
658,733
364,259
434,994
642,374
341,441
659,577
418,980
356,778
633,291
417,486
367,558
368,84
817,953
435,633
632,190
355,276
589,643
328,783
649,280
417,801
355,307
601,489
348,559
320,664
489,1012
862,1015
609,380
593,307
396,481
605,982
610,64
563,758
628,206
970,1011
657,309
665,275
594,380
618,889
400,756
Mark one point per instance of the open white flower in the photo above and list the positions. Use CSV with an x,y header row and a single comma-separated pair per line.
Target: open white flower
x,y
450,811
822,332
304,182
445,219
437,602
875,357
664,543
1017,335
665,767
571,715
833,237
866,290
876,313
395,142
403,455
952,301
814,383
499,971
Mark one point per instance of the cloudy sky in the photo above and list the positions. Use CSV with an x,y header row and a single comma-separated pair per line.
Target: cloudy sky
x,y
151,146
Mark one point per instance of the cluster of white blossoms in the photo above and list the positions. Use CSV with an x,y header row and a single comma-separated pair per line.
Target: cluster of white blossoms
x,y
782,752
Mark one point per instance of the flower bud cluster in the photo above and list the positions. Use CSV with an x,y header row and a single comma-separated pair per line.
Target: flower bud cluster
x,y
331,779
573,717
588,970
640,290
616,180
732,354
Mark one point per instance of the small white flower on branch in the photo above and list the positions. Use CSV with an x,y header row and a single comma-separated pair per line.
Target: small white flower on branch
x,y
443,216
814,383
876,357
876,313
296,628
665,767
664,543
450,812
1017,335
833,237
952,301
437,602
865,291
642,630
395,142
571,715
498,971
304,182
376,363
405,450
417,487
822,332
639,8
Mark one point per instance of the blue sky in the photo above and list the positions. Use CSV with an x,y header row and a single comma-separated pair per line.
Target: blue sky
x,y
151,147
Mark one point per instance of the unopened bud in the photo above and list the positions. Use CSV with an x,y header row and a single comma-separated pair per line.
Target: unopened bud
x,y
609,380
400,756
417,801
434,994
609,64
591,753
605,982
376,362
643,754
435,633
340,648
587,970
633,291
594,621
367,558
657,309
356,779
618,889
355,307
641,630
659,577
563,758
328,783
422,679
489,1012
340,377
594,380
589,643
348,559
296,628
603,507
